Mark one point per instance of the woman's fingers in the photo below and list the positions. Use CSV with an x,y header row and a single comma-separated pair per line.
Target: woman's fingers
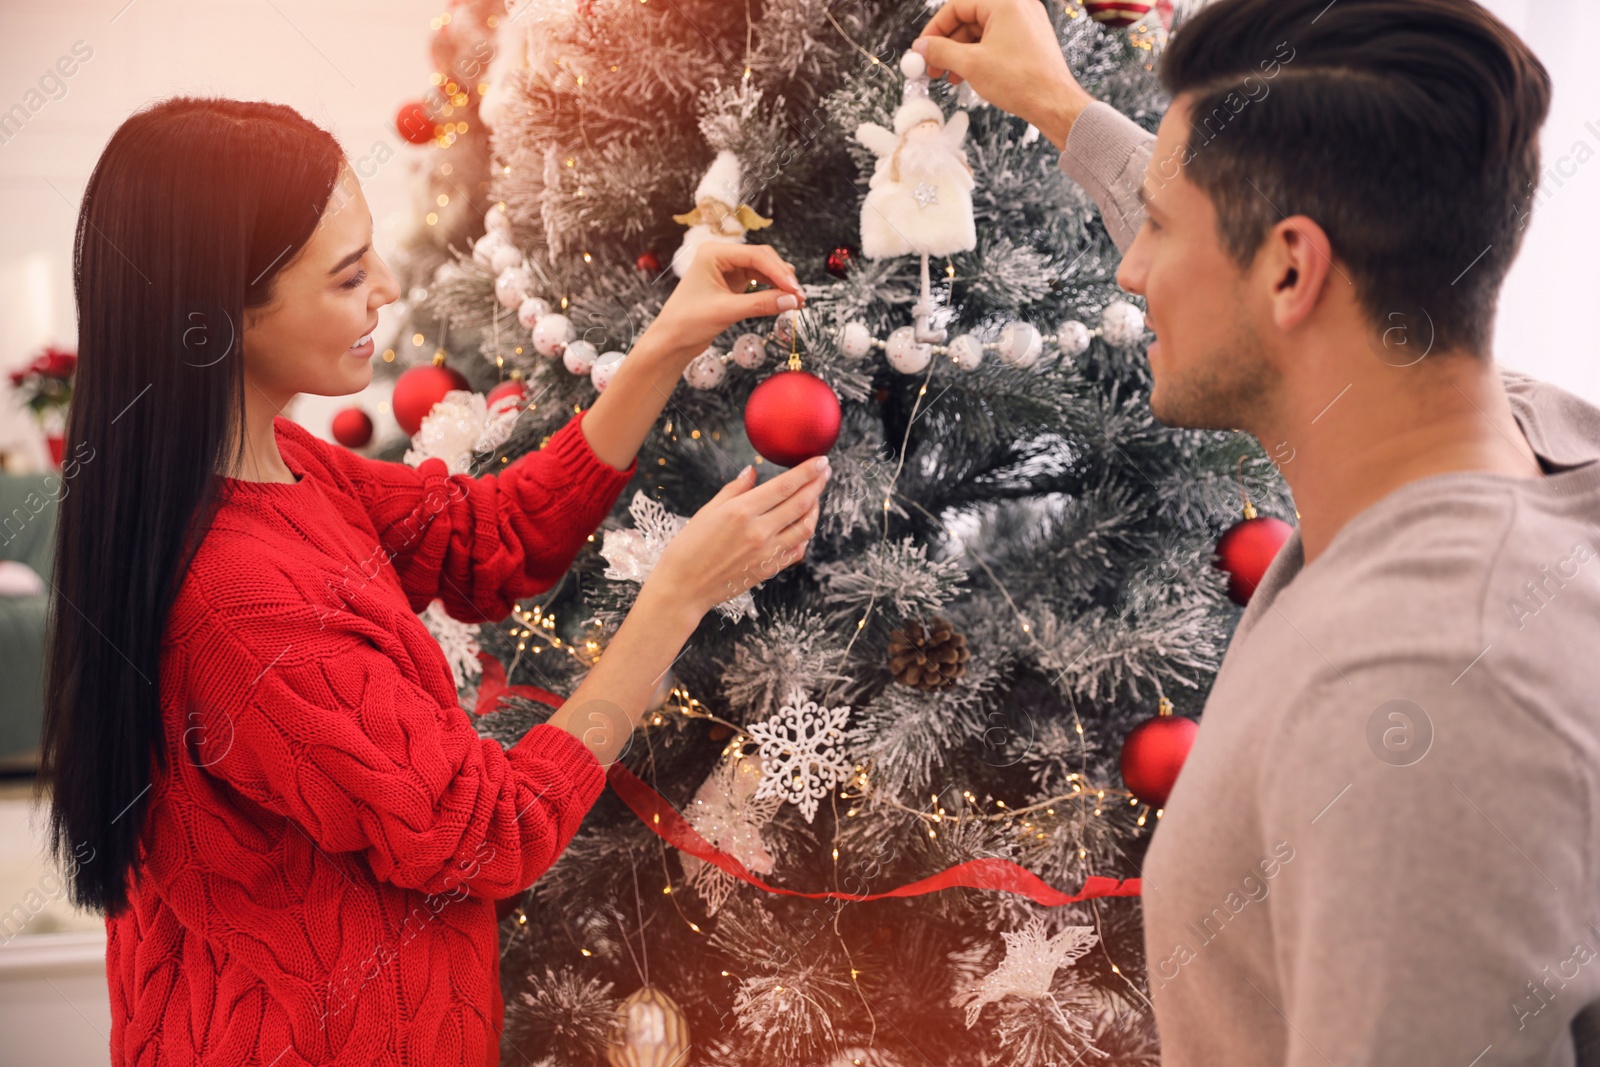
x,y
795,507
761,262
763,498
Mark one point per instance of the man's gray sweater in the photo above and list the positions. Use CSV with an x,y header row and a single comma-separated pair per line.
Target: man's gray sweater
x,y
1385,845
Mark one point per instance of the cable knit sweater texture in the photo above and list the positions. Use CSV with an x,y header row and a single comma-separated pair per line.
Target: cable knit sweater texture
x,y
321,858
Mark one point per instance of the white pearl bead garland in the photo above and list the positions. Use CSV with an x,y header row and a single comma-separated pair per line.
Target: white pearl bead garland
x,y
530,310
606,369
750,351
552,334
580,357
706,370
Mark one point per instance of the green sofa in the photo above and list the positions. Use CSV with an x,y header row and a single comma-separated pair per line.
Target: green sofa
x,y
27,535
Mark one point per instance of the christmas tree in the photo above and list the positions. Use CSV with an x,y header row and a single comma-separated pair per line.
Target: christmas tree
x,y
1013,569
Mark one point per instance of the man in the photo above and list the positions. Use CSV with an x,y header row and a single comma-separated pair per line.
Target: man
x,y
1385,845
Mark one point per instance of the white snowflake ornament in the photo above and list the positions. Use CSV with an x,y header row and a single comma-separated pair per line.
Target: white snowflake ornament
x,y
1029,967
632,554
458,640
727,814
803,746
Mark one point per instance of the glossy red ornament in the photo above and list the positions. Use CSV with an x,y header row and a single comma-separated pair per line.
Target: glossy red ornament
x,y
352,428
419,389
1246,550
1153,754
839,261
414,123
510,387
647,261
791,417
1117,13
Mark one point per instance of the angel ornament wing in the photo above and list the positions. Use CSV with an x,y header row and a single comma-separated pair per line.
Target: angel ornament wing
x,y
920,194
718,215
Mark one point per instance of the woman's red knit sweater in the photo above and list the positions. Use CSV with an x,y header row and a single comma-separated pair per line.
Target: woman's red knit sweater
x,y
321,858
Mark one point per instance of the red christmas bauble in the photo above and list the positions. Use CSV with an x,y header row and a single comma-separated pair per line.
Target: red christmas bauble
x,y
1117,13
839,261
419,389
647,261
510,387
791,417
1154,752
352,428
1246,550
414,123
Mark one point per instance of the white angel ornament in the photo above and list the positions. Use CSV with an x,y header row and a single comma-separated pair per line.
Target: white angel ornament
x,y
718,215
920,198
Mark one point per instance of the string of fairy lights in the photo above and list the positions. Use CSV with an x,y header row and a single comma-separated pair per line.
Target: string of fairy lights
x,y
535,630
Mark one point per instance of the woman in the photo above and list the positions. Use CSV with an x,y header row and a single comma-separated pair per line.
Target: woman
x,y
259,769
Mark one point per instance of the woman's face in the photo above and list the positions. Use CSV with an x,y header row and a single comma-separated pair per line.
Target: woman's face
x,y
325,300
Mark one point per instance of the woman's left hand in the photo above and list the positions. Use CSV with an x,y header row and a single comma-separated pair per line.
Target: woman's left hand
x,y
714,294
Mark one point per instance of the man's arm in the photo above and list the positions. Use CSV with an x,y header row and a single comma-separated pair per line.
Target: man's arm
x,y
1106,153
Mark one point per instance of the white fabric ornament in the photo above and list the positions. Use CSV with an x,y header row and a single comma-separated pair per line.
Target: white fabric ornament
x,y
460,426
531,310
579,353
605,369
552,334
920,198
913,65
726,813
966,351
905,354
1122,324
1072,337
705,371
511,287
718,215
750,351
856,340
803,746
1018,345
457,640
1029,967
632,554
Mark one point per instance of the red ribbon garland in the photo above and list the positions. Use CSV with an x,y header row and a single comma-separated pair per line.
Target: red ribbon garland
x,y
656,812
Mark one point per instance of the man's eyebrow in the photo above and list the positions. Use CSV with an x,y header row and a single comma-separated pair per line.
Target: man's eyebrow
x,y
351,258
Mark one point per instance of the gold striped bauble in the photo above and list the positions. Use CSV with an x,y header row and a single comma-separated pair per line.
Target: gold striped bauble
x,y
650,1030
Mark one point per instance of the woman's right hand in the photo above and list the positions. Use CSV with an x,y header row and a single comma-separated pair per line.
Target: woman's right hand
x,y
742,536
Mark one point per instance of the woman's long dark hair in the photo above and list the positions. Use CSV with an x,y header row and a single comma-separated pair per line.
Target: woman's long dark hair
x,y
193,208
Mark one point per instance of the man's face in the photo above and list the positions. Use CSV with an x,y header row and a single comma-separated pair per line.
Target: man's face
x,y
1207,364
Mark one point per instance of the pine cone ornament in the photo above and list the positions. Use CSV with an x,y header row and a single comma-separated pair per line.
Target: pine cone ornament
x,y
928,658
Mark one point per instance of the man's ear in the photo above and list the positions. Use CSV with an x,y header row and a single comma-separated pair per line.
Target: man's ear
x,y
1296,259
